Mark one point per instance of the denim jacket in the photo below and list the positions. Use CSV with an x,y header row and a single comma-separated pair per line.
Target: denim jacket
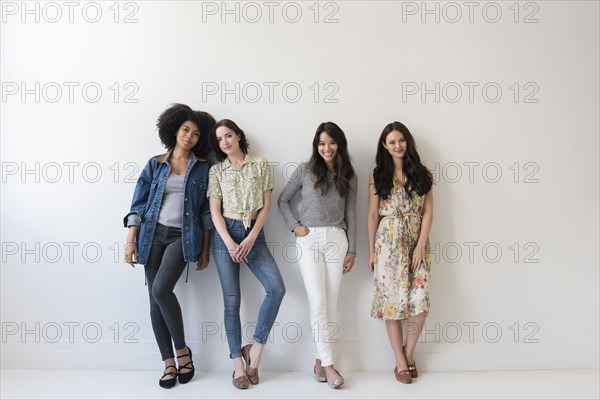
x,y
147,199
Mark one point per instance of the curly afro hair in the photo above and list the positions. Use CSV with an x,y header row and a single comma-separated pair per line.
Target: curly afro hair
x,y
169,122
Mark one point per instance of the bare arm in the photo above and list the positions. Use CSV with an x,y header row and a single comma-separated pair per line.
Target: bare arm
x,y
372,221
261,218
419,252
219,223
130,247
204,258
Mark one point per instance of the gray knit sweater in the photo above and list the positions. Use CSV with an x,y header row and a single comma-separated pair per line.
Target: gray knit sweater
x,y
320,210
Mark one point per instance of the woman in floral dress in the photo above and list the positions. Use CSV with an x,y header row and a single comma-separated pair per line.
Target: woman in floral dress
x,y
399,221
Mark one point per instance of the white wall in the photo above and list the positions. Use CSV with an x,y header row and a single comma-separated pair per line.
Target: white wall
x,y
514,175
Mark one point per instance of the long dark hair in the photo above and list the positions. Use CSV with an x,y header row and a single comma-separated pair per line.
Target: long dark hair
x,y
418,177
342,165
214,143
169,122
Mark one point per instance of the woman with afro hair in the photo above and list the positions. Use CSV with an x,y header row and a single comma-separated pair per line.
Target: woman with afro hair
x,y
169,227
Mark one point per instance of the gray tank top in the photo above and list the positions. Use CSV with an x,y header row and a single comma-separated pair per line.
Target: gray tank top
x,y
171,209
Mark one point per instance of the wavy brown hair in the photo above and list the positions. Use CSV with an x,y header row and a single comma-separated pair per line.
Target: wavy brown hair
x,y
214,142
342,164
418,177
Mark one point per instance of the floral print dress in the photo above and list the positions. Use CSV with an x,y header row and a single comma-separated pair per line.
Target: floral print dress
x,y
400,294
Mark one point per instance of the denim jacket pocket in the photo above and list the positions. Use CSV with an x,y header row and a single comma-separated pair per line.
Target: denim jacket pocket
x,y
200,184
151,196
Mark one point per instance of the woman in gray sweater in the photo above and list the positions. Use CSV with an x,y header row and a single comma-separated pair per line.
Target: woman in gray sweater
x,y
325,233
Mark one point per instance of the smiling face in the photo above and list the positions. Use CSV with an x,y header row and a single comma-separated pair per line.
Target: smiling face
x,y
188,135
327,148
229,141
395,144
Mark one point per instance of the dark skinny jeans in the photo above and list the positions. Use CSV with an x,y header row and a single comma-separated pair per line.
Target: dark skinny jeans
x,y
165,266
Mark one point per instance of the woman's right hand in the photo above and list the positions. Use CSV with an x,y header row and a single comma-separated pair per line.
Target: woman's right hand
x,y
301,231
232,247
372,262
131,254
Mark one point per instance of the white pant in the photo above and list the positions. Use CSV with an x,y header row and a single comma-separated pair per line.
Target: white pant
x,y
321,260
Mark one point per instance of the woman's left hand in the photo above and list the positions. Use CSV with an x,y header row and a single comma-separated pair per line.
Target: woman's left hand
x,y
202,261
418,257
244,248
348,264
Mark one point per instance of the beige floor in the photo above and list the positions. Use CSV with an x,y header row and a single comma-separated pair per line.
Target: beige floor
x,y
541,384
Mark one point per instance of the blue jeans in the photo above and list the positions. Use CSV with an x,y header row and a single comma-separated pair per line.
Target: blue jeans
x,y
263,266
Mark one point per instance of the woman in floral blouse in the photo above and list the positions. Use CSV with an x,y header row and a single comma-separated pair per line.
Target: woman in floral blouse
x,y
399,220
239,189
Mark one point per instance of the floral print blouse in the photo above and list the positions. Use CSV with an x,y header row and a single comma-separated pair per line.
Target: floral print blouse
x,y
240,191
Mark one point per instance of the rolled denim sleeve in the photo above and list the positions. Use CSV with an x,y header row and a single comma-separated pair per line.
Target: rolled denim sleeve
x,y
133,218
140,197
